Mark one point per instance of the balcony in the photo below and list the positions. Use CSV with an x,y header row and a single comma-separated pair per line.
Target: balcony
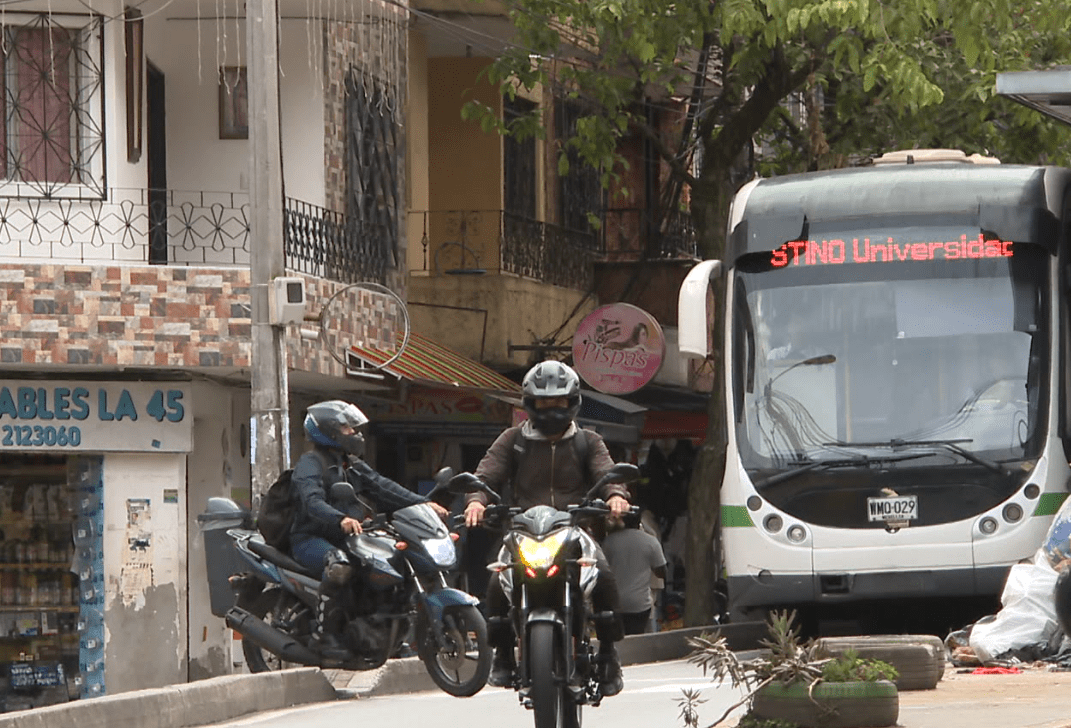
x,y
172,227
633,234
476,242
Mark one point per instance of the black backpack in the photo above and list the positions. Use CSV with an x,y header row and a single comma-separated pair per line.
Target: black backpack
x,y
277,510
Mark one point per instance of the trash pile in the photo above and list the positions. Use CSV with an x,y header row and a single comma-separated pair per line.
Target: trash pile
x,y
1026,629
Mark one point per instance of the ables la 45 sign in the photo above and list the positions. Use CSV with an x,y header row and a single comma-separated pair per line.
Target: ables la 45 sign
x,y
95,416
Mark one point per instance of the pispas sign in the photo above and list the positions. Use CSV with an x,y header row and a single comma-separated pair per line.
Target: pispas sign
x,y
618,348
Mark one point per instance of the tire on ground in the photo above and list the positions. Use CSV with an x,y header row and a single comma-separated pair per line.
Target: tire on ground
x,y
840,705
919,667
940,651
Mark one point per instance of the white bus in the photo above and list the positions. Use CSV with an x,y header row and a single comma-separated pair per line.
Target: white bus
x,y
896,378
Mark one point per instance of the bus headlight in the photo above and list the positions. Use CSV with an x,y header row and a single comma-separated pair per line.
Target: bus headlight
x,y
988,525
1012,512
773,523
796,533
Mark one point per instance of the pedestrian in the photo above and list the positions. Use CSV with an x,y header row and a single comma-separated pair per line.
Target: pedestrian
x,y
635,557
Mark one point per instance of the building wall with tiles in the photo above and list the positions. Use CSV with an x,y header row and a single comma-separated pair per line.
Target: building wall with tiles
x,y
167,316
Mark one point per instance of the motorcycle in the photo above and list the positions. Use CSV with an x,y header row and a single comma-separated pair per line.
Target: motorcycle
x,y
399,586
547,569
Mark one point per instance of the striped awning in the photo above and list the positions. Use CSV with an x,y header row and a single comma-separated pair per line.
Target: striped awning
x,y
426,363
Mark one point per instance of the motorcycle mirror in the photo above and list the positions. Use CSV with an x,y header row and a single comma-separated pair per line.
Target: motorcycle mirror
x,y
619,473
342,496
443,476
463,483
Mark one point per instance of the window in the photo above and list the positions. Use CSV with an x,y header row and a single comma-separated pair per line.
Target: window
x,y
50,129
520,163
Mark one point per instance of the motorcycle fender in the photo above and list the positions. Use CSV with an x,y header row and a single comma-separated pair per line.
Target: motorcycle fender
x,y
543,615
436,602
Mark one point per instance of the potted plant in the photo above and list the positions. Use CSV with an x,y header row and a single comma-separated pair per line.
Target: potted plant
x,y
797,683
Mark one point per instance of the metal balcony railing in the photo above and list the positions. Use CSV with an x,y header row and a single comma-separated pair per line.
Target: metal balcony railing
x,y
172,227
630,233
474,242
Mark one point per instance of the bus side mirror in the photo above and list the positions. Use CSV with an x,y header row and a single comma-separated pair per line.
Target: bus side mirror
x,y
692,315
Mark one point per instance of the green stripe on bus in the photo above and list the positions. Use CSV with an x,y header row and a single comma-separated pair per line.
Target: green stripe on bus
x,y
735,516
1048,504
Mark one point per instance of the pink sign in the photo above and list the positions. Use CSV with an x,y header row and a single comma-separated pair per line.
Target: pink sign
x,y
618,348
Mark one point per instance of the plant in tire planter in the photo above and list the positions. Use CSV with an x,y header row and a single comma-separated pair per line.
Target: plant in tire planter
x,y
796,683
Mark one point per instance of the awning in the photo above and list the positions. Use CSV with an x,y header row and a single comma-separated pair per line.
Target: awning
x,y
429,364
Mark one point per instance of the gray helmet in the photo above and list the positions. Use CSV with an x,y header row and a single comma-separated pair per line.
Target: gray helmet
x,y
547,380
323,423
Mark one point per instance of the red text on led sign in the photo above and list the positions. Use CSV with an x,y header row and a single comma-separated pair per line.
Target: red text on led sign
x,y
837,252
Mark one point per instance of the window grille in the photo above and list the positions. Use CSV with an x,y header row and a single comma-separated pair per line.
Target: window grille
x,y
374,182
51,138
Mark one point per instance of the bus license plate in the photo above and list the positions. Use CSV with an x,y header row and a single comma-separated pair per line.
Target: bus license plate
x,y
896,508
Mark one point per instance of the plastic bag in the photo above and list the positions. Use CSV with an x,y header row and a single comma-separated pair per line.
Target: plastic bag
x,y
1027,616
1057,544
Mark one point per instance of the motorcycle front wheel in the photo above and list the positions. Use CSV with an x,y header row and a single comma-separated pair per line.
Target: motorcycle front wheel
x,y
551,701
273,606
461,664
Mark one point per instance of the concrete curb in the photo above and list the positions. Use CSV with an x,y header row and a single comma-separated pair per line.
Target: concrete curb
x,y
180,706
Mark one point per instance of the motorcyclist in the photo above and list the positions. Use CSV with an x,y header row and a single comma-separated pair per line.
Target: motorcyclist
x,y
319,529
550,472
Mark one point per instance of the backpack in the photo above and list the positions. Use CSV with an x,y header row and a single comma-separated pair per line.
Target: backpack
x,y
276,511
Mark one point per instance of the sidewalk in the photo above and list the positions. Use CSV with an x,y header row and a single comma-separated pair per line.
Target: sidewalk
x,y
1036,698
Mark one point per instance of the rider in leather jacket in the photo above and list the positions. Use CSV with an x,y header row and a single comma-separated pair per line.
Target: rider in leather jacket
x,y
550,474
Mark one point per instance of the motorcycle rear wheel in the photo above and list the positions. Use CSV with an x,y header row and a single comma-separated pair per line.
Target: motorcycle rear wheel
x,y
461,666
551,701
270,605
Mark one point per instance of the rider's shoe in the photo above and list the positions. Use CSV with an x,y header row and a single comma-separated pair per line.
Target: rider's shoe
x,y
611,681
502,668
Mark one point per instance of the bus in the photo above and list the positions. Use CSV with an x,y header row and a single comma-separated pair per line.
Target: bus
x,y
896,379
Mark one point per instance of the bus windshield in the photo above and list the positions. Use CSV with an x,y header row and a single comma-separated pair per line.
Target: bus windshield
x,y
877,343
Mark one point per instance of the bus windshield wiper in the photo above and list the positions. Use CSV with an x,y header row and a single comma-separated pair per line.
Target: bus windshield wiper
x,y
954,445
861,460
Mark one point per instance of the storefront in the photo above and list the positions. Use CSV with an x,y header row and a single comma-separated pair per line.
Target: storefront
x,y
92,535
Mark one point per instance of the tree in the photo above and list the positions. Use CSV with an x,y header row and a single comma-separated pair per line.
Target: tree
x,y
874,74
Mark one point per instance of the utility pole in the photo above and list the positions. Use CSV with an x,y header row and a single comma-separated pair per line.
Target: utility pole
x,y
268,380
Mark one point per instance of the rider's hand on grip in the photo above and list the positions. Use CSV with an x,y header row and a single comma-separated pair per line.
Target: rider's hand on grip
x,y
618,505
350,525
474,513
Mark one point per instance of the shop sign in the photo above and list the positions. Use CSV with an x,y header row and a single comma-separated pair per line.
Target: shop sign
x,y
73,416
446,406
618,348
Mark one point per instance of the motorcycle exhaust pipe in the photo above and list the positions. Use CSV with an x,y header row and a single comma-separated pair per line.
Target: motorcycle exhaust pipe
x,y
267,637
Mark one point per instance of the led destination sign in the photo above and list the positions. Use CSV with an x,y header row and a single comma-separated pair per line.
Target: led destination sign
x,y
838,252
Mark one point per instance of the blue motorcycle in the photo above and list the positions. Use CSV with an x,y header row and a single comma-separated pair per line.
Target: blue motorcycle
x,y
399,591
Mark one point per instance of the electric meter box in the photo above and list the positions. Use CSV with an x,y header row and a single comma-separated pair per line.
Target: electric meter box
x,y
286,300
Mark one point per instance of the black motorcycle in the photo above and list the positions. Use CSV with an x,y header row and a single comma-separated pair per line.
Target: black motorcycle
x,y
547,569
399,588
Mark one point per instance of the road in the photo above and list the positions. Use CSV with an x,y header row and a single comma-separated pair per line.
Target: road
x,y
650,697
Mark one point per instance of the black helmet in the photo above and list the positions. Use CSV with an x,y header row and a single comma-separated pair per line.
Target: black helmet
x,y
547,380
324,421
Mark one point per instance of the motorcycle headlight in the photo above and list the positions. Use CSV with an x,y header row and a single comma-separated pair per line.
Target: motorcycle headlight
x,y
540,554
442,551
